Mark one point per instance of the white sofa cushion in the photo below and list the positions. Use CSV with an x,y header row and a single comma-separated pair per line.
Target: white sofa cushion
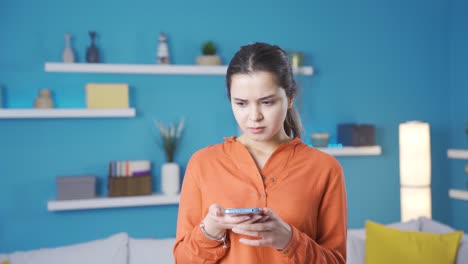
x,y
150,251
356,242
462,255
112,250
3,257
431,226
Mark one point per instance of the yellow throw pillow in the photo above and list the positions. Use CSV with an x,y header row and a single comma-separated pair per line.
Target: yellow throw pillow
x,y
5,262
385,245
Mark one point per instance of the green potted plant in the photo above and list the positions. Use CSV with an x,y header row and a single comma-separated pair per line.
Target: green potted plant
x,y
170,170
208,56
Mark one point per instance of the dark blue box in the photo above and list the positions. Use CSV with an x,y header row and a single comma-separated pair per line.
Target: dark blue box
x,y
356,135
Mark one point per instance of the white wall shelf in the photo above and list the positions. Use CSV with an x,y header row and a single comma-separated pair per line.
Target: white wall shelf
x,y
353,151
65,113
147,68
112,202
457,153
458,194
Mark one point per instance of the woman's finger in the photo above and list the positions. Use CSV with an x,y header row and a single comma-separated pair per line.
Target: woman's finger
x,y
253,219
269,226
256,242
268,212
236,219
263,219
215,210
248,233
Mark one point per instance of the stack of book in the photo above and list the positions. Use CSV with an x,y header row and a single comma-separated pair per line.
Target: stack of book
x,y
129,177
128,168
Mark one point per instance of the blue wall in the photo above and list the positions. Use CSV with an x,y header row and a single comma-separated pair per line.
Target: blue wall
x,y
458,105
379,62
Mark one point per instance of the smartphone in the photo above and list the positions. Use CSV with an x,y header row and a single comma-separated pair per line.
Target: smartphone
x,y
242,211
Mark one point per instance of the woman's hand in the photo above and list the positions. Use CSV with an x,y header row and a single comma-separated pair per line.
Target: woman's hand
x,y
216,222
272,232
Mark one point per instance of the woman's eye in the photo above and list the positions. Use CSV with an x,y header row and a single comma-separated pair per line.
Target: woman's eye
x,y
267,102
240,103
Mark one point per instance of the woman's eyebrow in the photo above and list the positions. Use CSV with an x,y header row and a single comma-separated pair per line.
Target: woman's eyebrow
x,y
260,99
267,97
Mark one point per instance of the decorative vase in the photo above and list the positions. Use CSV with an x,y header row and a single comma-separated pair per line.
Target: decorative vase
x,y
296,59
67,54
92,53
44,99
208,60
170,178
162,52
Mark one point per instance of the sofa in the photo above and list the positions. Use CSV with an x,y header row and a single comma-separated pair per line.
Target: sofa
x,y
116,249
122,249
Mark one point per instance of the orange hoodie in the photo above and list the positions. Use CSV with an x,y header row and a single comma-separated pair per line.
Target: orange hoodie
x,y
303,186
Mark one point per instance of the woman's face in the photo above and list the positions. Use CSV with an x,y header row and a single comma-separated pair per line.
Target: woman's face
x,y
259,105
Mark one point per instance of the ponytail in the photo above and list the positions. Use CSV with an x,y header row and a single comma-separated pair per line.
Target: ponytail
x,y
292,123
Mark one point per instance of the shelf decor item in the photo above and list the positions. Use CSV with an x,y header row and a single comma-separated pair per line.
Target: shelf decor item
x,y
107,95
320,140
92,53
44,99
350,134
67,55
415,170
209,56
129,186
170,171
295,59
76,187
129,178
162,53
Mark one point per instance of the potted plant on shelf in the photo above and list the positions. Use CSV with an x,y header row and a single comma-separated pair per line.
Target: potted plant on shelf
x,y
170,171
209,56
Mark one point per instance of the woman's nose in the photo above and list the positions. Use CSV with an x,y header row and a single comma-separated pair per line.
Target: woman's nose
x,y
255,114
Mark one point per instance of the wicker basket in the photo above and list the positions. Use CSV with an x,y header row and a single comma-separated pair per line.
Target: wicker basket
x,y
129,186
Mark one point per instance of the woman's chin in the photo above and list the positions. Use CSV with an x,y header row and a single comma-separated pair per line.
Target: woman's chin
x,y
259,137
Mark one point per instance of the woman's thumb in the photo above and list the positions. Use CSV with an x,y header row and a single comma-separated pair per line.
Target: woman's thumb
x,y
216,210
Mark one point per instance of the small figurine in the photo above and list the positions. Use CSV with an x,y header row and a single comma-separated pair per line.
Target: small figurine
x,y
163,50
67,55
44,99
92,53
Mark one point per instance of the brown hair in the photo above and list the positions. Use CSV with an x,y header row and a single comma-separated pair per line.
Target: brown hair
x,y
273,59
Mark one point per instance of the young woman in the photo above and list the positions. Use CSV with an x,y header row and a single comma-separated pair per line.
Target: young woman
x,y
301,190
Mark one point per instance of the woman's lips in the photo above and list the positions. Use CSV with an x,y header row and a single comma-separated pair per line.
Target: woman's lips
x,y
256,130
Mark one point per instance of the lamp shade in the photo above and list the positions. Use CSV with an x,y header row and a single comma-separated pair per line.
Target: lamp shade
x,y
415,170
415,154
415,202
